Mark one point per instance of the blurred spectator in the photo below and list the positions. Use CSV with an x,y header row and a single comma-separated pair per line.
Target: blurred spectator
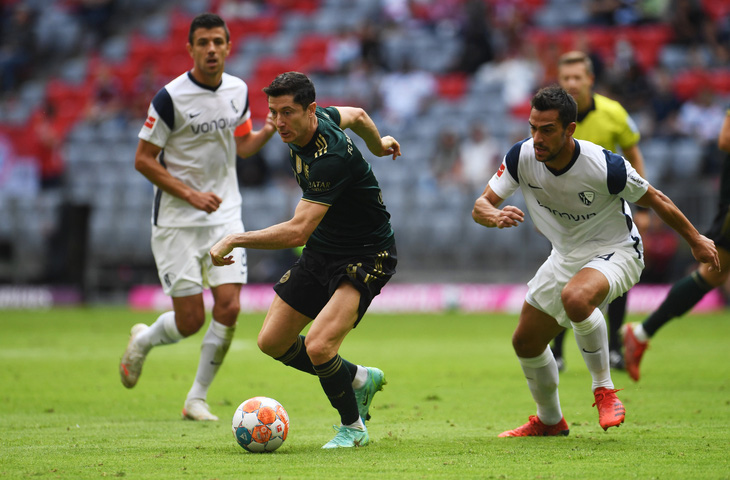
x,y
614,12
479,158
240,9
690,24
664,105
405,93
145,86
519,74
343,50
17,45
445,158
632,87
371,45
106,98
95,16
475,36
701,118
48,147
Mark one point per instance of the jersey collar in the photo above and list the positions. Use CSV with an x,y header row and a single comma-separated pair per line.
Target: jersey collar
x,y
583,115
207,87
576,154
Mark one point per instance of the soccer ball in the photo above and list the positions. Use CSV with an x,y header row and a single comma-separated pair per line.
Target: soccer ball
x,y
260,424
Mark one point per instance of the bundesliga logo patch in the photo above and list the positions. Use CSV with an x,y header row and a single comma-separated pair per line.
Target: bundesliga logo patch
x,y
500,171
150,122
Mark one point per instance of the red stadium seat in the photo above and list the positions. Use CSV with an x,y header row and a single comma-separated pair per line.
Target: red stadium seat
x,y
687,84
452,86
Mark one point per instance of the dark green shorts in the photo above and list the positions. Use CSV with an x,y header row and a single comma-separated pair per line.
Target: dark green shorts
x,y
313,279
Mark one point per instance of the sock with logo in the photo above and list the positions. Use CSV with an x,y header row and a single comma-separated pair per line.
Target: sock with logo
x,y
215,345
541,373
592,340
336,382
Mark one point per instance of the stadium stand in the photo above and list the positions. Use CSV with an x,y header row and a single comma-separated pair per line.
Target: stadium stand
x,y
141,43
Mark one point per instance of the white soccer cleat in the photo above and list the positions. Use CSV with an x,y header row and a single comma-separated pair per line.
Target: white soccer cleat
x,y
197,409
130,366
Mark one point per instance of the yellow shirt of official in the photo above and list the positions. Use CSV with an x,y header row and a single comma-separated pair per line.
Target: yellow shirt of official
x,y
607,124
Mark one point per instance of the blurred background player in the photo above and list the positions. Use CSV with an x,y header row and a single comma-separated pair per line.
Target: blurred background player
x,y
196,125
688,291
576,194
350,251
606,123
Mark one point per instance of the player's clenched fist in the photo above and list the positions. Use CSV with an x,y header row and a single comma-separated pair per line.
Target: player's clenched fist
x,y
219,253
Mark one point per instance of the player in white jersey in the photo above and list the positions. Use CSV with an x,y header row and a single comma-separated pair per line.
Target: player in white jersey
x,y
196,125
576,194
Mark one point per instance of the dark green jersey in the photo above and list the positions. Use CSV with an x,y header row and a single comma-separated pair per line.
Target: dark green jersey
x,y
332,171
725,175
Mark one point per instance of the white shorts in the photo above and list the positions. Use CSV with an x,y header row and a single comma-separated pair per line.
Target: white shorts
x,y
621,267
183,259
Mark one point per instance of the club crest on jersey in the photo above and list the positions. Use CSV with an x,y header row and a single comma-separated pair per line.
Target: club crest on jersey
x,y
299,164
500,171
587,197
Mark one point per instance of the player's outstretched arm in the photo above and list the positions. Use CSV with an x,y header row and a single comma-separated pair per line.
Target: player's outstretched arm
x,y
486,213
145,161
703,249
292,233
357,120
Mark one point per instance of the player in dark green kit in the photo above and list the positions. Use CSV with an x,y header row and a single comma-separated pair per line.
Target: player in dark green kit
x,y
349,252
687,292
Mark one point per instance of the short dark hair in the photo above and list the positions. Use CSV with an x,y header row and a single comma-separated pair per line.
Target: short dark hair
x,y
553,97
293,83
207,21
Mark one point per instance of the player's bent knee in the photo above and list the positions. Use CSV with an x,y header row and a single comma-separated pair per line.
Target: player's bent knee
x,y
526,347
189,325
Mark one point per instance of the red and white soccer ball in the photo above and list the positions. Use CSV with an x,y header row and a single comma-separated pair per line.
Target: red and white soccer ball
x,y
260,424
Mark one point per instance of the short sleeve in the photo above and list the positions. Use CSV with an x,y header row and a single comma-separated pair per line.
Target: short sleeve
x,y
160,120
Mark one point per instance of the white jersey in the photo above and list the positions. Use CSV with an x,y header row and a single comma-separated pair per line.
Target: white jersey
x,y
194,125
580,208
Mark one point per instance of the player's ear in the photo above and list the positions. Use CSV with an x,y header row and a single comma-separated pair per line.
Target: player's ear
x,y
311,109
570,129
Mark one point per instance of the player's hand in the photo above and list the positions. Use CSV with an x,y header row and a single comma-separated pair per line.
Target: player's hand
x,y
206,201
269,125
389,146
704,251
219,253
509,216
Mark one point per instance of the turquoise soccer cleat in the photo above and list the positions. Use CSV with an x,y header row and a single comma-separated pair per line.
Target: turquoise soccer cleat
x,y
348,437
365,394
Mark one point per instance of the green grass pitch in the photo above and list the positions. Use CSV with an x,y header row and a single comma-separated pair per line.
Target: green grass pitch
x,y
453,385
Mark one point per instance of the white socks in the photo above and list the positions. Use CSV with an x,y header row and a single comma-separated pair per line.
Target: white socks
x,y
360,377
358,424
215,345
163,331
640,333
541,373
592,339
